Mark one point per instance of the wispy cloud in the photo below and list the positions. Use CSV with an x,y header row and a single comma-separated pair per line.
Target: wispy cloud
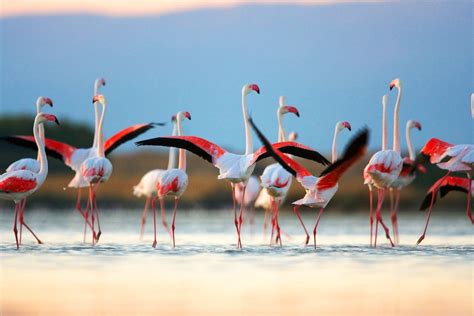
x,y
137,7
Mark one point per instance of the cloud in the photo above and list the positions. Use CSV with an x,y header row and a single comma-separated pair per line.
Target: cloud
x,y
137,7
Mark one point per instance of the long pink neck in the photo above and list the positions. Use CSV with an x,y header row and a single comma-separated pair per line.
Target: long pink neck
x,y
182,152
248,132
384,123
396,129
100,135
96,114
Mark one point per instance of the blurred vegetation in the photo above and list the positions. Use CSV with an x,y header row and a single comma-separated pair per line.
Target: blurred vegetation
x,y
204,189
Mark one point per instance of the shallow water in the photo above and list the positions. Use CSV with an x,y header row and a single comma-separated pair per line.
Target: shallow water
x,y
207,274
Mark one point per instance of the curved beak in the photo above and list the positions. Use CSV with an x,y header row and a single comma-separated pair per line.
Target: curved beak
x,y
418,125
187,115
292,109
48,101
255,88
95,99
347,125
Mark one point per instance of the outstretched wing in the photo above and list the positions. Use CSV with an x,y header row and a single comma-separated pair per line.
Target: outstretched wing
x,y
445,185
353,152
53,148
434,149
286,162
125,135
292,148
197,145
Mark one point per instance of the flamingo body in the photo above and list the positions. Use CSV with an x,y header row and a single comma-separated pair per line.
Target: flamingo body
x,y
25,164
384,167
276,180
96,169
147,185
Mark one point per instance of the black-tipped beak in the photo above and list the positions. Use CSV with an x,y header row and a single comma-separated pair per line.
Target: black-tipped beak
x,y
56,121
95,99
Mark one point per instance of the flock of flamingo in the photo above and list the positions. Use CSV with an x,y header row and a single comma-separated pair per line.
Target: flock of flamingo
x,y
386,171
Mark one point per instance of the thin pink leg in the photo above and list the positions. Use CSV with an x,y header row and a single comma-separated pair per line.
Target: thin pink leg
x,y
153,205
86,218
321,210
378,216
272,203
176,201
394,218
277,223
371,218
143,221
78,203
22,209
97,213
163,218
241,214
469,190
296,210
380,197
22,223
91,198
15,229
236,222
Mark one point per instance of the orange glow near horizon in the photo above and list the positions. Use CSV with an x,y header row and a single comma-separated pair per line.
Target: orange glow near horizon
x,y
136,7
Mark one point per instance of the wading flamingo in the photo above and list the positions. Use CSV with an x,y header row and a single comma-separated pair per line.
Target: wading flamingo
x,y
460,159
385,166
173,182
147,185
73,157
30,163
234,168
407,175
96,170
319,190
19,184
276,181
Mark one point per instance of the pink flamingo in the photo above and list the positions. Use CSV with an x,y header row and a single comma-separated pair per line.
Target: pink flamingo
x,y
385,166
406,177
17,185
30,163
460,159
235,168
319,190
147,185
276,181
95,170
173,181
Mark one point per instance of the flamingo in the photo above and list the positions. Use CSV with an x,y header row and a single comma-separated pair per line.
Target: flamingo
x,y
460,159
235,168
446,185
73,157
319,190
407,175
147,184
172,181
385,166
30,163
17,185
95,170
367,179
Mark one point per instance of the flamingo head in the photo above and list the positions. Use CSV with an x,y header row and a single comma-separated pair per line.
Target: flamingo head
x,y
289,109
42,101
98,83
342,125
99,98
293,136
395,83
43,117
414,124
249,88
183,115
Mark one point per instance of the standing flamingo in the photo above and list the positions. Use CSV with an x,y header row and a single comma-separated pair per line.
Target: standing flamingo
x,y
96,170
30,163
385,166
17,185
234,168
173,181
407,175
73,157
319,190
147,184
276,181
460,159
367,179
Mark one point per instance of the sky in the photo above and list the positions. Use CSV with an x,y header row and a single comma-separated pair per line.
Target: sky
x,y
333,61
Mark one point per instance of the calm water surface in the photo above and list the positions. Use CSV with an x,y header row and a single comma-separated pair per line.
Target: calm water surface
x,y
206,274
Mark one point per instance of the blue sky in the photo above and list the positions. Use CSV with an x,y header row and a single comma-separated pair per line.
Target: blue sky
x,y
334,62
